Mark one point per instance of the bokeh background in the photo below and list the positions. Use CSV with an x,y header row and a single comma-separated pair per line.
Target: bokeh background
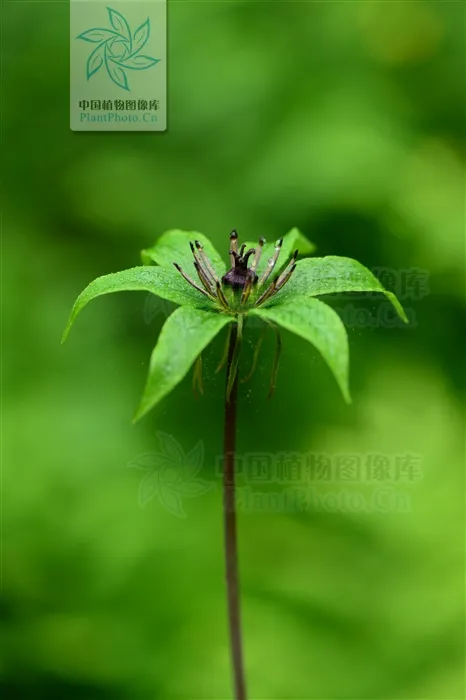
x,y
347,120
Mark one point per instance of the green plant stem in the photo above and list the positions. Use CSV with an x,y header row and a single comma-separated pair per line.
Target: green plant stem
x,y
231,548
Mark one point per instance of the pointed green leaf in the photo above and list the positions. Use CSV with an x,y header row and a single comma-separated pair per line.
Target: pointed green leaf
x,y
320,325
333,275
185,334
164,283
173,246
292,240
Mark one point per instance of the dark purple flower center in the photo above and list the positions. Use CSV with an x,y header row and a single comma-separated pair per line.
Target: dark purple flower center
x,y
239,274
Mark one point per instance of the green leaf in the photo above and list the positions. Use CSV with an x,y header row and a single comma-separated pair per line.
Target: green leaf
x,y
184,335
293,240
173,246
333,275
164,283
318,323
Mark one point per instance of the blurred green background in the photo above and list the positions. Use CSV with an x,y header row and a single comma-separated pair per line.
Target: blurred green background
x,y
347,120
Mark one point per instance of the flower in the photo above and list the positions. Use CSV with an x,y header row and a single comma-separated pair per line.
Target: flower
x,y
241,287
225,297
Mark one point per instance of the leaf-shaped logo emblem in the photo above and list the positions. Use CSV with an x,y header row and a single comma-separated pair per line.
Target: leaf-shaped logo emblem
x,y
115,72
141,35
139,62
96,36
119,23
118,49
95,60
171,474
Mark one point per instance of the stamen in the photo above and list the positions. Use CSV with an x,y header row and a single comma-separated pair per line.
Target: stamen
x,y
197,377
221,296
233,246
224,359
257,256
276,360
193,283
242,249
202,277
207,264
271,263
268,292
287,270
255,356
198,264
246,290
283,280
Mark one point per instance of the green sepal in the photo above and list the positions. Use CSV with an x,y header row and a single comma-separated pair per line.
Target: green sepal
x,y
333,275
292,240
173,247
183,337
164,283
318,323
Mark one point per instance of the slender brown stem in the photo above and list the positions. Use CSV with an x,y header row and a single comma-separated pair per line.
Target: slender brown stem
x,y
231,554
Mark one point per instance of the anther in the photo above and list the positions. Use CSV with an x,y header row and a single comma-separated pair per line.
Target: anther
x,y
192,282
